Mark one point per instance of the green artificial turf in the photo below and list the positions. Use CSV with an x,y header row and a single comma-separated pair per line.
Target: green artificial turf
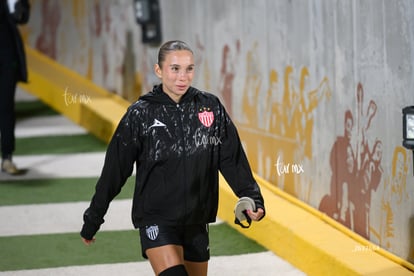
x,y
38,191
51,144
225,241
56,250
27,109
59,144
45,251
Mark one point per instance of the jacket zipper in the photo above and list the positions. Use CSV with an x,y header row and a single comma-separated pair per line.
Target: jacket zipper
x,y
181,113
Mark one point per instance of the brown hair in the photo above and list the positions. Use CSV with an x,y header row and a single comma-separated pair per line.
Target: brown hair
x,y
170,46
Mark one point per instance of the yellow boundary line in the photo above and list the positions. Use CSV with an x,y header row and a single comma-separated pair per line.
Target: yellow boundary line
x,y
310,240
337,225
69,93
305,237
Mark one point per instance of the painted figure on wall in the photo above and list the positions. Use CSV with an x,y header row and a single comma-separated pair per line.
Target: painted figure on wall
x,y
88,37
275,108
252,86
309,100
201,62
356,172
368,180
343,166
368,165
47,41
280,119
227,74
394,197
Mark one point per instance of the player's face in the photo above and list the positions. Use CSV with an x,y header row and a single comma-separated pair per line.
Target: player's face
x,y
176,73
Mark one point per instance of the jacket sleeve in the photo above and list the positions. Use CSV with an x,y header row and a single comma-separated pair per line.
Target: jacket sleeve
x,y
118,166
234,165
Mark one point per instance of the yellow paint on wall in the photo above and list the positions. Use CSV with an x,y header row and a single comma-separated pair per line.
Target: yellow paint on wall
x,y
277,126
78,8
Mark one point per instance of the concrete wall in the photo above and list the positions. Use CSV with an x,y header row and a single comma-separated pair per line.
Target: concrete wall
x,y
315,87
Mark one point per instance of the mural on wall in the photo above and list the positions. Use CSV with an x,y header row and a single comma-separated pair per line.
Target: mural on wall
x,y
356,170
227,74
281,120
86,36
279,101
343,165
394,198
202,62
47,41
277,128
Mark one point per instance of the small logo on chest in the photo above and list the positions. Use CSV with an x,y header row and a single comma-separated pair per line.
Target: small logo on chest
x,y
157,124
206,116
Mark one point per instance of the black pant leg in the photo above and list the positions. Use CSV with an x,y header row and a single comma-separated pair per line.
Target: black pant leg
x,y
8,81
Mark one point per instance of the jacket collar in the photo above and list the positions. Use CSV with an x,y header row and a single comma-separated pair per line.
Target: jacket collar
x,y
158,95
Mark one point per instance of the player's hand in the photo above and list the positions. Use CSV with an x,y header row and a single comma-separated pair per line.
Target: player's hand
x,y
88,242
256,215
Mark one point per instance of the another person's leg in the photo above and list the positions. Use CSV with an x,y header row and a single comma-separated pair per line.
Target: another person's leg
x,y
7,116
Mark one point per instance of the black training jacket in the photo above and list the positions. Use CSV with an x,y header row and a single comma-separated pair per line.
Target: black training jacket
x,y
11,46
178,150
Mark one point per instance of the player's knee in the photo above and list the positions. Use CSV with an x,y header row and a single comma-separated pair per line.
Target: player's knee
x,y
178,270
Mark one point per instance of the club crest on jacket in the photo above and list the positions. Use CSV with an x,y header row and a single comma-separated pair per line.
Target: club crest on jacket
x,y
206,116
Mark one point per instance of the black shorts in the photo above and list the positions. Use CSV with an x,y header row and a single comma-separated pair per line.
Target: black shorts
x,y
193,238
